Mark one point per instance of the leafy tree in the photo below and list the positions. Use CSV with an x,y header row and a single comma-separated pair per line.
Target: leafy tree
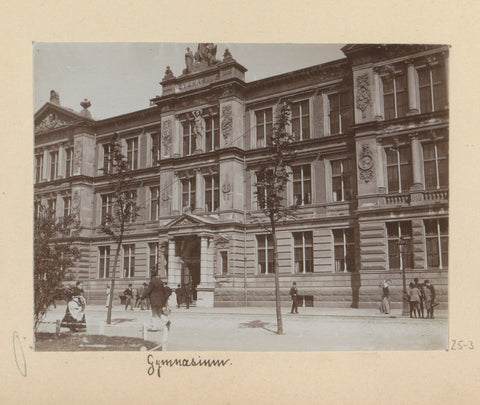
x,y
53,254
122,209
272,178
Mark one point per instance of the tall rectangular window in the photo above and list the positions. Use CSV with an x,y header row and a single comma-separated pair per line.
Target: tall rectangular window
x,y
132,196
107,158
224,262
262,192
300,120
264,127
188,193
342,180
68,162
395,100
340,112
436,238
303,247
52,206
344,247
265,254
104,262
302,185
397,231
212,133
153,257
212,193
53,165
67,206
106,207
435,163
156,148
433,94
38,167
399,169
132,153
188,139
154,203
128,261
37,207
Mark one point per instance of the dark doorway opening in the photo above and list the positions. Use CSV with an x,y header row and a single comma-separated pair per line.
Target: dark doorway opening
x,y
188,249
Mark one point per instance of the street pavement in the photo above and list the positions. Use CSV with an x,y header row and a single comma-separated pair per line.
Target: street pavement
x,y
254,329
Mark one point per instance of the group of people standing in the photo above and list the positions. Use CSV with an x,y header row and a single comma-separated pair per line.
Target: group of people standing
x,y
184,295
421,297
131,293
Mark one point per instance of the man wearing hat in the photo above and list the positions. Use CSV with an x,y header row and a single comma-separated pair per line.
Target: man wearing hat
x,y
293,294
155,293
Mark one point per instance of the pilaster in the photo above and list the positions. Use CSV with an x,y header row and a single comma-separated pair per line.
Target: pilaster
x,y
412,88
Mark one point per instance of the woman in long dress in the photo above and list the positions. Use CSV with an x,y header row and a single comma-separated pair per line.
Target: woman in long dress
x,y
385,304
74,318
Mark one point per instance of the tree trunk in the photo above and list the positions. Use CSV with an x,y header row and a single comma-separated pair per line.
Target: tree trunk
x,y
277,280
112,285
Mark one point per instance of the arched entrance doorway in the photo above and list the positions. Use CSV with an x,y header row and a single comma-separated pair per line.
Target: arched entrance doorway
x,y
188,250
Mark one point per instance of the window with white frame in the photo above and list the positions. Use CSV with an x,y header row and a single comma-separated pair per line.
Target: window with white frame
x,y
132,153
38,167
397,231
107,204
432,86
68,162
300,120
303,252
104,262
156,148
132,196
52,206
153,257
188,193
399,169
436,238
262,190
37,208
435,163
212,192
107,158
128,261
212,133
265,254
344,248
395,98
264,127
302,184
342,180
340,112
224,262
53,165
188,138
154,203
67,206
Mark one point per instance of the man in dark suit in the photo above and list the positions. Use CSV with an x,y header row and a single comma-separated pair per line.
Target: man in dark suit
x,y
187,294
128,293
293,294
155,293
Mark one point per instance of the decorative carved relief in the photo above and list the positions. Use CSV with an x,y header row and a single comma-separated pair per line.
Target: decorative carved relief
x,y
166,137
77,157
165,196
198,129
227,124
364,96
366,164
51,121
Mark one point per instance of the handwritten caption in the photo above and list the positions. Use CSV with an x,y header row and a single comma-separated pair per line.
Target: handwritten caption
x,y
459,344
154,365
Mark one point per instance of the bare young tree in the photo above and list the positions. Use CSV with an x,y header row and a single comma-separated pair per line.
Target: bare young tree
x,y
122,208
54,253
272,178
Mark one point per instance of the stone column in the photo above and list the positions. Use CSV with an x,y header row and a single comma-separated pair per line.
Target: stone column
x,y
61,162
46,166
445,55
206,287
412,88
173,273
199,192
416,163
175,194
377,110
381,186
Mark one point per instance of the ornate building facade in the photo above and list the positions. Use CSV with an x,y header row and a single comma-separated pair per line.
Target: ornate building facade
x,y
371,170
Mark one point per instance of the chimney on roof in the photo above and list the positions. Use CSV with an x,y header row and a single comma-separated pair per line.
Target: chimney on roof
x,y
54,97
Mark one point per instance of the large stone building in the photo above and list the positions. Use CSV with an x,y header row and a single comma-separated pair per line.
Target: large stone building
x,y
371,169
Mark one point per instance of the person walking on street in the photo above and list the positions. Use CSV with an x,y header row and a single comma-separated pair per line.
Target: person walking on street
x,y
108,296
187,293
155,292
179,294
143,302
128,293
433,297
414,296
294,294
422,295
385,304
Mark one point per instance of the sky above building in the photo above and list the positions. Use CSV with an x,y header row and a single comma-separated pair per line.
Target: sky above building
x,y
119,78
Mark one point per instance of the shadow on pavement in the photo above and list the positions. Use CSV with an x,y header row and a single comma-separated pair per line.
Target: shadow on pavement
x,y
257,324
122,320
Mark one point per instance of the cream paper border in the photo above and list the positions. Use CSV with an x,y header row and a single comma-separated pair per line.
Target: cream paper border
x,y
438,377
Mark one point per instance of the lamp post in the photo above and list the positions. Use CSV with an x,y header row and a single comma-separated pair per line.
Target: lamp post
x,y
403,247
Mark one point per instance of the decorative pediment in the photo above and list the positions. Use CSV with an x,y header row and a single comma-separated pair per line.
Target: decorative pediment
x,y
51,116
187,220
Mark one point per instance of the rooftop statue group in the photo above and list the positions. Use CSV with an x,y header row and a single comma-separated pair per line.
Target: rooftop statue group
x,y
203,58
